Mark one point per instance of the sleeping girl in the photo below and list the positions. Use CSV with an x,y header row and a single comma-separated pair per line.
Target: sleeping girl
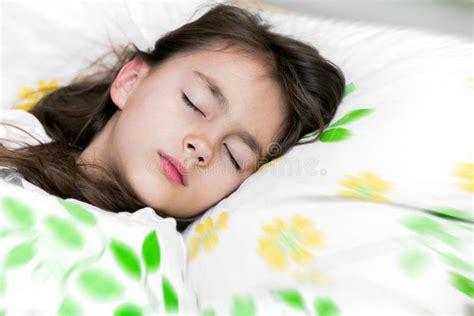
x,y
179,127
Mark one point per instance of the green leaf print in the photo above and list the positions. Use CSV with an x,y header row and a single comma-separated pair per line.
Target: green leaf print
x,y
78,212
17,213
3,283
291,297
151,252
126,258
4,232
208,312
448,213
324,306
426,226
3,312
64,232
463,284
70,307
198,301
42,271
20,255
349,88
128,309
414,262
352,116
243,306
99,284
169,296
309,136
457,263
335,134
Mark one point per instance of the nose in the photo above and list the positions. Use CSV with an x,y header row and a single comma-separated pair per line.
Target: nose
x,y
199,150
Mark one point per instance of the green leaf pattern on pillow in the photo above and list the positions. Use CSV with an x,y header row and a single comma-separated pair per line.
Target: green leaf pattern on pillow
x,y
334,132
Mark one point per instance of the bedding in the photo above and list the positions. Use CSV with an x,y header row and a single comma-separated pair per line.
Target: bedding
x,y
65,257
377,216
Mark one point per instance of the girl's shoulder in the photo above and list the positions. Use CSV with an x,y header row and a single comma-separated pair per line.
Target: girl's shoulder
x,y
9,134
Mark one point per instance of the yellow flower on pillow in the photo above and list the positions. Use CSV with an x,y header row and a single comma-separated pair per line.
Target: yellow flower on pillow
x,y
206,234
465,171
269,164
366,186
33,96
288,242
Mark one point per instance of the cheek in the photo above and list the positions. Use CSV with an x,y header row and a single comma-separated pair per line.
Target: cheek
x,y
155,119
221,177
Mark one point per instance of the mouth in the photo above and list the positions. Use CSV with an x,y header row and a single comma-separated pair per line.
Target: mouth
x,y
173,170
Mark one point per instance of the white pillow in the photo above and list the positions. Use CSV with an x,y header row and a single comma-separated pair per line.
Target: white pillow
x,y
357,209
55,40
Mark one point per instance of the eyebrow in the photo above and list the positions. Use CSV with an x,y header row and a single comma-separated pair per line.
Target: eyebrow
x,y
216,91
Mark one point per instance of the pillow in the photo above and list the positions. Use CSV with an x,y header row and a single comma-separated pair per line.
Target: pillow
x,y
378,214
9,134
48,44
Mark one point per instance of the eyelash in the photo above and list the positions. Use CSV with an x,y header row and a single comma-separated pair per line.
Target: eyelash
x,y
192,106
236,165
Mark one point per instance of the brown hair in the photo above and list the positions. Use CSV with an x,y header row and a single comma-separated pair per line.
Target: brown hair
x,y
72,115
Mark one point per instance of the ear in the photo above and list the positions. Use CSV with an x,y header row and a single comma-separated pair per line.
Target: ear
x,y
127,79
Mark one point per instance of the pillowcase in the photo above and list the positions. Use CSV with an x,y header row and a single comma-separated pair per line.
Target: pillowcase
x,y
9,134
378,214
48,44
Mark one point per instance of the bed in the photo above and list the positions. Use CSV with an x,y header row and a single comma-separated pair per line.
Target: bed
x,y
376,218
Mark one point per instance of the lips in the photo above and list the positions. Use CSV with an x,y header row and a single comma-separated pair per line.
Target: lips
x,y
174,169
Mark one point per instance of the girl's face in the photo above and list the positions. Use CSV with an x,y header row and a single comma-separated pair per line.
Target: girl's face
x,y
154,118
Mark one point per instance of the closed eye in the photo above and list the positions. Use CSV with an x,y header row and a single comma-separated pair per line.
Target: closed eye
x,y
234,162
190,104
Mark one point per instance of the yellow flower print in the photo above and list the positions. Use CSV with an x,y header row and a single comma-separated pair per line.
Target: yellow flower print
x,y
206,234
465,171
366,186
288,242
269,164
307,275
33,96
470,83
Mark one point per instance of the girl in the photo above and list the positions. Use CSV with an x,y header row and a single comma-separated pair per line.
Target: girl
x,y
181,126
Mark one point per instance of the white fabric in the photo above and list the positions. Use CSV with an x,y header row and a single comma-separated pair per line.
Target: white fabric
x,y
66,248
26,121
